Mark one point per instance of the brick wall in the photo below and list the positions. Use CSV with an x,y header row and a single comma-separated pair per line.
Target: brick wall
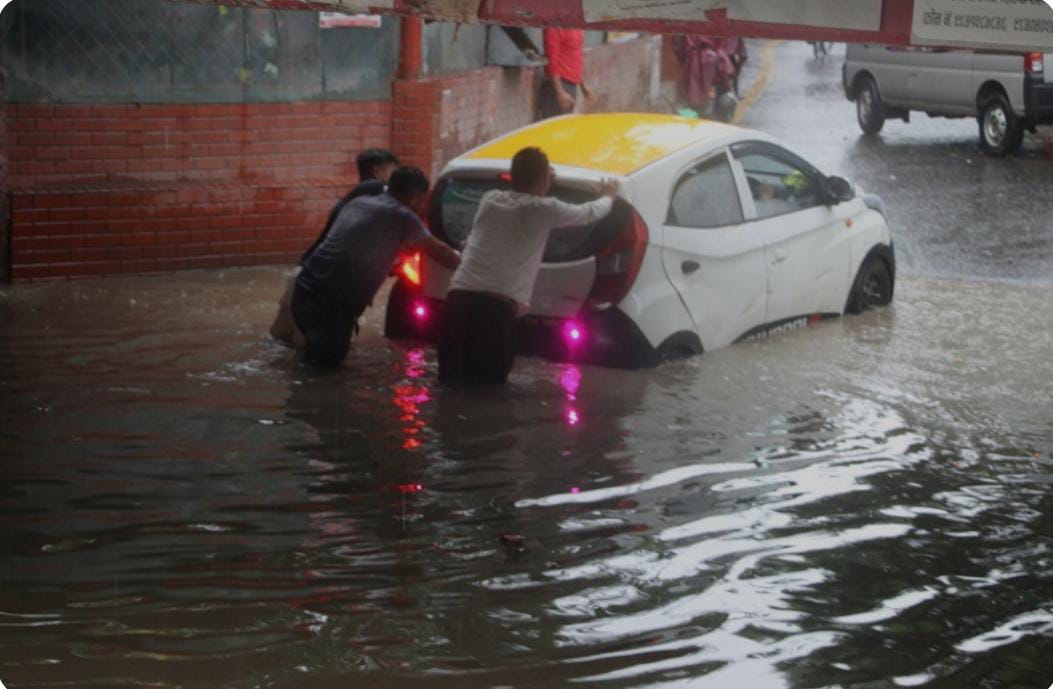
x,y
69,145
436,119
128,188
104,230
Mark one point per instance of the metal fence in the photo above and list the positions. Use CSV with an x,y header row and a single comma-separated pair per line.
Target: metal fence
x,y
105,51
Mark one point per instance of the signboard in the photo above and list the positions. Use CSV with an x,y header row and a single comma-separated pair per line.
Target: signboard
x,y
1002,25
862,15
609,10
336,20
859,15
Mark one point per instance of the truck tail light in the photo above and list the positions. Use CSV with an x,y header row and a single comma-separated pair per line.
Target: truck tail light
x,y
1034,63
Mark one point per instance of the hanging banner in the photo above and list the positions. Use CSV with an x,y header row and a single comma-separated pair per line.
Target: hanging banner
x,y
336,20
862,15
1021,24
859,15
611,10
464,11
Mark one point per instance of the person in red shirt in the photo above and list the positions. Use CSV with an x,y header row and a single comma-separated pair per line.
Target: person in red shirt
x,y
564,72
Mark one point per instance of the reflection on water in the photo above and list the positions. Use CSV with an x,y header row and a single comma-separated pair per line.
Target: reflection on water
x,y
862,503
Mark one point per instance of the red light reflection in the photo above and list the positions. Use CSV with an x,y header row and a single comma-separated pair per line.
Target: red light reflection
x,y
409,396
570,381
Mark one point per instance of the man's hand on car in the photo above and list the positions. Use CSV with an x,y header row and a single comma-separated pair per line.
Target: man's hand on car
x,y
608,187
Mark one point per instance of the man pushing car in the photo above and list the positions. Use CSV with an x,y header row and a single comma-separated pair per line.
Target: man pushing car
x,y
492,286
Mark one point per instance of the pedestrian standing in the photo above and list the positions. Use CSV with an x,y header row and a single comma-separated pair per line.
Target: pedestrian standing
x,y
564,72
492,287
341,276
375,165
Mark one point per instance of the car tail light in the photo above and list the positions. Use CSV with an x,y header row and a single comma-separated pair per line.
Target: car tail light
x,y
574,333
1034,63
411,270
618,264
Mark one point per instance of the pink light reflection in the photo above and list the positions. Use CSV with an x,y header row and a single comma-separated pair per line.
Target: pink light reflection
x,y
570,381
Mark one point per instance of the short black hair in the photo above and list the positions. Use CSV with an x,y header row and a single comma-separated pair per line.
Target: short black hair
x,y
368,159
406,181
528,166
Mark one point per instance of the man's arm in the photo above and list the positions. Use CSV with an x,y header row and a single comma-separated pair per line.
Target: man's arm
x,y
560,214
438,251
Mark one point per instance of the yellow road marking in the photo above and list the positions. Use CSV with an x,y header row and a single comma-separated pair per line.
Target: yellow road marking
x,y
757,88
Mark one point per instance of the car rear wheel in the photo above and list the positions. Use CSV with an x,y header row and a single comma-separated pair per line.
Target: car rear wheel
x,y
873,287
398,321
1001,132
869,109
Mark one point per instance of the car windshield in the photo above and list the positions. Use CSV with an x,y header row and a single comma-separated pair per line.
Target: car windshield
x,y
456,200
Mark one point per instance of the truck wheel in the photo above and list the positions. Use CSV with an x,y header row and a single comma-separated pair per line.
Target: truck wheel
x,y
869,109
1001,132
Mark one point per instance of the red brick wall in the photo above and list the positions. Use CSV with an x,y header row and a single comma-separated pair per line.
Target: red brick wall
x,y
127,188
69,145
133,230
436,119
130,188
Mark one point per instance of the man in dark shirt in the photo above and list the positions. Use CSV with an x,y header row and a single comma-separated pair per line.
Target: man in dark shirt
x,y
375,166
340,277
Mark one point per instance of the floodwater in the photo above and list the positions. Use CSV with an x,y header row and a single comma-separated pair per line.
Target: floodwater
x,y
863,503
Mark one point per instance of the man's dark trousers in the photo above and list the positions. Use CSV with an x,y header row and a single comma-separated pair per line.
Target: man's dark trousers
x,y
327,325
478,339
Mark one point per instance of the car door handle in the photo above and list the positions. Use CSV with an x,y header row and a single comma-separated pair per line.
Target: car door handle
x,y
779,255
688,267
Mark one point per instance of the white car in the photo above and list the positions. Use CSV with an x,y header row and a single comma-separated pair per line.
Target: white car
x,y
720,234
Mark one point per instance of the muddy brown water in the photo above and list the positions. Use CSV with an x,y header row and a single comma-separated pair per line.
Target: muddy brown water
x,y
863,503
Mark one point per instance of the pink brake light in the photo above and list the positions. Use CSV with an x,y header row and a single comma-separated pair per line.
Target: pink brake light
x,y
420,311
574,332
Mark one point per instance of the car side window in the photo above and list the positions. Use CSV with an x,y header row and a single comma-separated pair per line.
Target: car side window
x,y
706,196
778,186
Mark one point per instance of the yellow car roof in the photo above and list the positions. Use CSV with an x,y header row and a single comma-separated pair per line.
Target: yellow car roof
x,y
611,143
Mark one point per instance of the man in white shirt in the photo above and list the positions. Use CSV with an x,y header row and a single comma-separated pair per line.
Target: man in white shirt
x,y
492,286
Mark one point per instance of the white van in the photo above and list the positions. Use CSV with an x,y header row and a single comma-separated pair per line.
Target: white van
x,y
1007,93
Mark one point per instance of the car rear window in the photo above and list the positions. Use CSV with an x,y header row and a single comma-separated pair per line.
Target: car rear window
x,y
456,200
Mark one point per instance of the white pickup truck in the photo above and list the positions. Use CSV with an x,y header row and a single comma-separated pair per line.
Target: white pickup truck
x,y
1007,93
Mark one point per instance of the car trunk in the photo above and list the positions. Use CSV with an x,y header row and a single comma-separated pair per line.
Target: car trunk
x,y
569,267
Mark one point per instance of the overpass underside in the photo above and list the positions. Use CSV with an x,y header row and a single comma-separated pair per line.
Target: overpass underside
x,y
1020,26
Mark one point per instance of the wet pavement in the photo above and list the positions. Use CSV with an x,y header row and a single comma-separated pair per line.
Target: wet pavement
x,y
864,503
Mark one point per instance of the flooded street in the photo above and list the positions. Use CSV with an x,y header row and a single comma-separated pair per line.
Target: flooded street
x,y
862,503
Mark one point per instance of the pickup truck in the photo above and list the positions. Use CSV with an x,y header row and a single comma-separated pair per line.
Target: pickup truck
x,y
1007,93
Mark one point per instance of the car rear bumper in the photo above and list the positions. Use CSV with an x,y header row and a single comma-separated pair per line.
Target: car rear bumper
x,y
607,338
1038,100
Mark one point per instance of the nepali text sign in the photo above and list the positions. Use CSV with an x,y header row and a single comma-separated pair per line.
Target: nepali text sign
x,y
996,24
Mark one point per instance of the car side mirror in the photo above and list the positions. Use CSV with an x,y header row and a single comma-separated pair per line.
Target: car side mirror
x,y
837,190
